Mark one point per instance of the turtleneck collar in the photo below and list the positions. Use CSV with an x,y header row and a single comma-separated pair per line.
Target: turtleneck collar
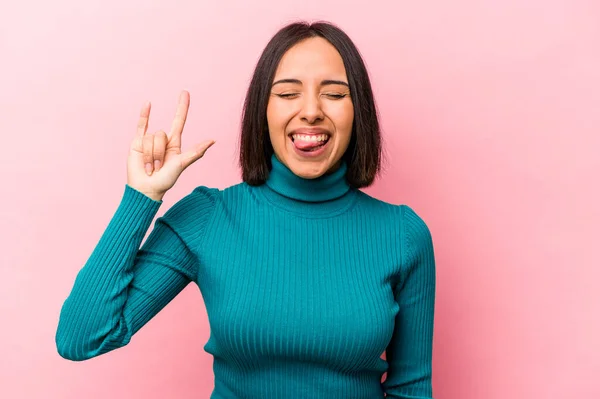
x,y
327,194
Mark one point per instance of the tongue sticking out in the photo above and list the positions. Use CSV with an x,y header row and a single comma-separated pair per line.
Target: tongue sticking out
x,y
308,145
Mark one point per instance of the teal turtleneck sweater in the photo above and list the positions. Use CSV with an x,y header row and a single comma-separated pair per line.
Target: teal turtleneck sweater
x,y
306,284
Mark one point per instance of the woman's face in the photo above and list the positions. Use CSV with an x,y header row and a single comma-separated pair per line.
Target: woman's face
x,y
310,112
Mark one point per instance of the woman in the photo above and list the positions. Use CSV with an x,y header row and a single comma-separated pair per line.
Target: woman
x,y
306,279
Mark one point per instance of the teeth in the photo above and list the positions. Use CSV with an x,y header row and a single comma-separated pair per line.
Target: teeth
x,y
321,137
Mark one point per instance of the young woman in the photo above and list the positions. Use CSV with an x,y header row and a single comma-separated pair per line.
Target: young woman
x,y
307,280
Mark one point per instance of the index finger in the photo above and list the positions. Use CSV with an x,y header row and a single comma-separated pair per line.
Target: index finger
x,y
143,121
180,117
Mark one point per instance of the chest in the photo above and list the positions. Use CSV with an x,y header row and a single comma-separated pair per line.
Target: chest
x,y
299,289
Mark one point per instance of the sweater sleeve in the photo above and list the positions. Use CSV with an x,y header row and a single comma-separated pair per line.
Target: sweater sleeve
x,y
409,353
122,286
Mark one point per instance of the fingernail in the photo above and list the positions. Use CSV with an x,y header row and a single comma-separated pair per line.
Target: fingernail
x,y
148,168
156,164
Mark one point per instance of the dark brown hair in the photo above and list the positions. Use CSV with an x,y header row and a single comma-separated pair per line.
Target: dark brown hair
x,y
364,152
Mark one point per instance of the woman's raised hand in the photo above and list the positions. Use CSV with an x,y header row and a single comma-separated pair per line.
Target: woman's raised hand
x,y
155,160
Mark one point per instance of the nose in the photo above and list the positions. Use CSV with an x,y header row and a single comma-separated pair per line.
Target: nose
x,y
311,110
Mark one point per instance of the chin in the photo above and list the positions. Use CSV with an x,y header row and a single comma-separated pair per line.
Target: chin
x,y
309,169
307,175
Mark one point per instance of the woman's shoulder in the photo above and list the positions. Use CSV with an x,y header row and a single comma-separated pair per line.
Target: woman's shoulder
x,y
408,224
195,206
376,204
204,199
395,212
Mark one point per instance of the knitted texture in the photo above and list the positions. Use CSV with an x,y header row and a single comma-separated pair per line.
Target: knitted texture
x,y
306,283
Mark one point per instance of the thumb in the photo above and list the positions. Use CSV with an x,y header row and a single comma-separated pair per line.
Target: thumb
x,y
192,156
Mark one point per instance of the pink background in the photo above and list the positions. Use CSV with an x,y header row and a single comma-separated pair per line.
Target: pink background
x,y
491,115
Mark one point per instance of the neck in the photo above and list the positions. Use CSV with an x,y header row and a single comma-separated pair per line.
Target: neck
x,y
326,194
323,188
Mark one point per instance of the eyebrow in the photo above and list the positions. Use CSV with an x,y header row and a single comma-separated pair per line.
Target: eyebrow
x,y
323,82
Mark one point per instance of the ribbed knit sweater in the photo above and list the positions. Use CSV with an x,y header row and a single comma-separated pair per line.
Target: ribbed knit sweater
x,y
306,283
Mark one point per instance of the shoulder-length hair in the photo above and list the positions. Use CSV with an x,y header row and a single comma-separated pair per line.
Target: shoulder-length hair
x,y
363,156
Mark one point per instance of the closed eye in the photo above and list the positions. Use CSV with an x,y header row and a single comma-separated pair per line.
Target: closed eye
x,y
334,96
337,96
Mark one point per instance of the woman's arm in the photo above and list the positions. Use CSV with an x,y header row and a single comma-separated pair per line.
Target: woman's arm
x,y
120,288
409,353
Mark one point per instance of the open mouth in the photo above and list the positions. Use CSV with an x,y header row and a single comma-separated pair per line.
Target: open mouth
x,y
309,143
